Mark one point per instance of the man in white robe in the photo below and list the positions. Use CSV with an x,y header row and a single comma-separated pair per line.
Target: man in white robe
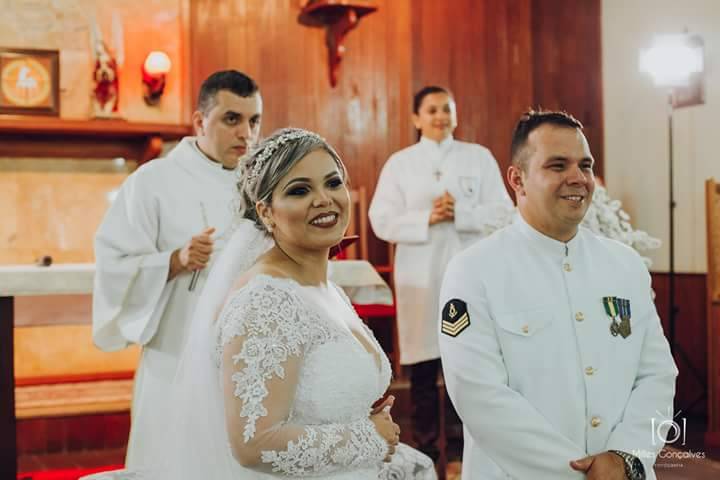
x,y
432,200
161,230
552,350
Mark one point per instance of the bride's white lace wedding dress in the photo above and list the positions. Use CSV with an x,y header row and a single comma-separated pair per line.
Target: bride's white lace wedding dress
x,y
300,372
306,371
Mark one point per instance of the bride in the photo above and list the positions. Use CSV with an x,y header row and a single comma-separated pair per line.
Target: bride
x,y
279,374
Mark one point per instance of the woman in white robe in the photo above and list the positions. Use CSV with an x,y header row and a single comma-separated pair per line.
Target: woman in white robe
x,y
432,200
282,382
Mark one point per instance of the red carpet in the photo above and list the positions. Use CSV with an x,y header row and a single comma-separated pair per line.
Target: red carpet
x,y
66,474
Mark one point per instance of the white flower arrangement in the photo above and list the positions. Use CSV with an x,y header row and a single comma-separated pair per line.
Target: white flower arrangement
x,y
606,217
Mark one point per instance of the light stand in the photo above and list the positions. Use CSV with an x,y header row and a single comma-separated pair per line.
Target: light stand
x,y
674,62
673,309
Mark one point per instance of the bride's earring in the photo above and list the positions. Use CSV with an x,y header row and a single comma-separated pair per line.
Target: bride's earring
x,y
269,226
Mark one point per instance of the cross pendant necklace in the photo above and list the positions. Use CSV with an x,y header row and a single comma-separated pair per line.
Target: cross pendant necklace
x,y
437,173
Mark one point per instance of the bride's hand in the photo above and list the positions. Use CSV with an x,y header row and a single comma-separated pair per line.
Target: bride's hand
x,y
387,429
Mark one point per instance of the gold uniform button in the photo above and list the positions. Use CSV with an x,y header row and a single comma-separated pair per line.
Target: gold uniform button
x,y
567,267
595,422
579,316
589,371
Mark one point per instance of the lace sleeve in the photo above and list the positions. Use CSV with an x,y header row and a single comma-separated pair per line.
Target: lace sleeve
x,y
264,334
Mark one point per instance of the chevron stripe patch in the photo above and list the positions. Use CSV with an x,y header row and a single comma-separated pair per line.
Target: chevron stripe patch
x,y
455,317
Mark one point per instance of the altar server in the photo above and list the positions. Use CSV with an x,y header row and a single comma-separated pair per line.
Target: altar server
x,y
553,353
156,240
432,199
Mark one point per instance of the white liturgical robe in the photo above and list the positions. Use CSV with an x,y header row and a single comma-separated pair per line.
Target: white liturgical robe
x,y
530,361
400,212
157,210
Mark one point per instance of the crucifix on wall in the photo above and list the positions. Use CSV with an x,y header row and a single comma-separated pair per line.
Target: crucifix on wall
x,y
338,17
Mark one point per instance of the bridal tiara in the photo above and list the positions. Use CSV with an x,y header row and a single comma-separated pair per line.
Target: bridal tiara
x,y
272,146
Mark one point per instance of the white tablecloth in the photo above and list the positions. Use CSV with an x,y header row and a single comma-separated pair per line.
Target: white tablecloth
x,y
361,282
357,277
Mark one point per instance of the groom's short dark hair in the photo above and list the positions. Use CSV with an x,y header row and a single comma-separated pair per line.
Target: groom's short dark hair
x,y
531,120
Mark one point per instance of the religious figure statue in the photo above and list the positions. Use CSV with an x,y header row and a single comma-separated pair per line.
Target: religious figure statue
x,y
105,94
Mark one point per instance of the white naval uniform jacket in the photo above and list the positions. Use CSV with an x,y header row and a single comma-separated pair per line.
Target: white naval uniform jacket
x,y
400,211
537,377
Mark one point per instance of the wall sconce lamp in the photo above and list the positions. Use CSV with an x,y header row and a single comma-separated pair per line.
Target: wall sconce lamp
x,y
154,70
339,17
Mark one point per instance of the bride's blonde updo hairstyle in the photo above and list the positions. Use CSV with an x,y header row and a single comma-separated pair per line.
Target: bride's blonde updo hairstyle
x,y
263,168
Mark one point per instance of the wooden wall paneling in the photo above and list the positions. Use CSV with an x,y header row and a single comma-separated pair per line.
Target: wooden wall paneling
x,y
233,48
690,337
349,99
459,56
712,227
72,433
306,76
187,96
353,97
712,436
432,43
315,113
519,63
32,436
399,64
394,90
360,95
567,64
547,71
491,74
481,50
211,23
273,42
471,80
376,64
416,25
508,72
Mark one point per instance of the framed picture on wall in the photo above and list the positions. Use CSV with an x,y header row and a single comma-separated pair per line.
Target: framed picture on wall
x,y
29,81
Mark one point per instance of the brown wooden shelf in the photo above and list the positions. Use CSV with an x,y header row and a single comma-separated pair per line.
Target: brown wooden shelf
x,y
115,128
44,137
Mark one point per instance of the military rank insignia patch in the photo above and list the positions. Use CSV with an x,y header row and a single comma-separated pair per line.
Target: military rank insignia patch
x,y
455,317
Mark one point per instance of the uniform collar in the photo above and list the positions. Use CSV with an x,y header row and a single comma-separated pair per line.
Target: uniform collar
x,y
443,145
546,244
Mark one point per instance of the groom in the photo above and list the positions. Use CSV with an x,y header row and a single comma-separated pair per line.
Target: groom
x,y
158,236
553,353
